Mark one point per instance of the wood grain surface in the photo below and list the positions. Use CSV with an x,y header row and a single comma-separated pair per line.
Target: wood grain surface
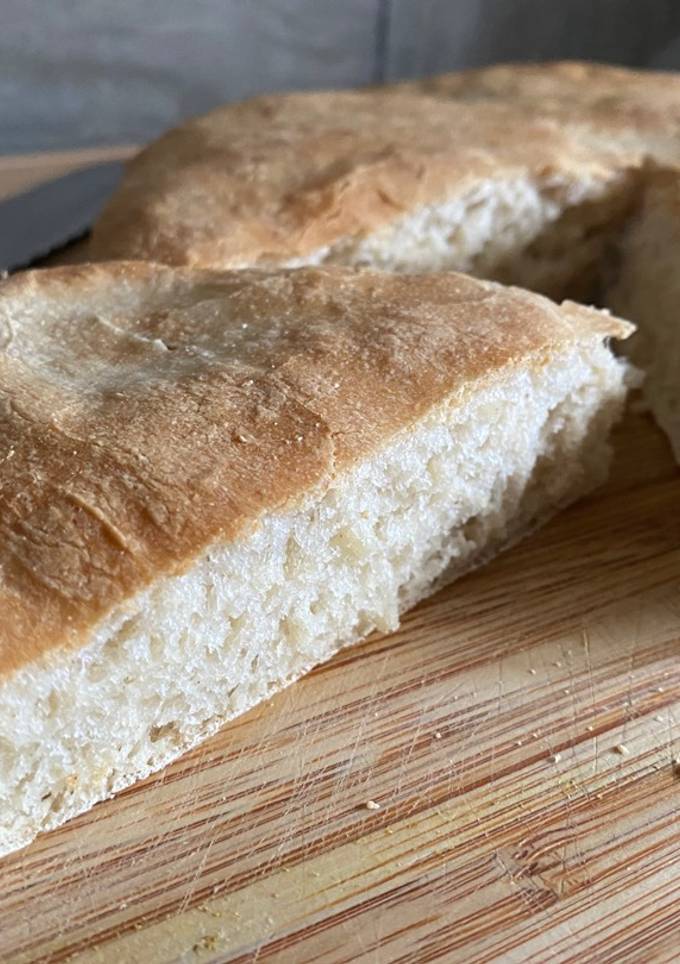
x,y
518,735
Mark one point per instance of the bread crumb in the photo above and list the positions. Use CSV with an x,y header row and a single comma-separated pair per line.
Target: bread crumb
x,y
372,805
659,719
621,749
532,671
209,911
566,691
590,728
437,735
518,742
659,689
558,664
206,943
556,757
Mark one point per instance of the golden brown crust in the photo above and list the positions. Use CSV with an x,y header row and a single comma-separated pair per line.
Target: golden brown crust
x,y
600,96
281,178
147,412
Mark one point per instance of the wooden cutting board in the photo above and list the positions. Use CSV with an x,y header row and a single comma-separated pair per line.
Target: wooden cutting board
x,y
518,735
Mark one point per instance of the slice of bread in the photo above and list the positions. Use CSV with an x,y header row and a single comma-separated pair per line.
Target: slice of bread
x,y
647,289
213,481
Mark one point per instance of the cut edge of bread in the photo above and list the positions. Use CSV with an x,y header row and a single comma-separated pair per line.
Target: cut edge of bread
x,y
547,234
647,290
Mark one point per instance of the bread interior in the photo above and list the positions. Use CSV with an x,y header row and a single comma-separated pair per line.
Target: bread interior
x,y
547,234
645,286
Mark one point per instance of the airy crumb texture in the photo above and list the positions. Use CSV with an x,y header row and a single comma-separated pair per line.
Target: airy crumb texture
x,y
647,289
540,233
408,428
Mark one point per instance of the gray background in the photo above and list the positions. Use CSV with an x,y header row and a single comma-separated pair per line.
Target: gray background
x,y
88,72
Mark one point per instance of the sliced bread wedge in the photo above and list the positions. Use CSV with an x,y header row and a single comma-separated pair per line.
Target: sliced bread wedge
x,y
211,482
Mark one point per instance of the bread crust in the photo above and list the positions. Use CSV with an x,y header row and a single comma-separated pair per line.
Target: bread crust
x,y
148,412
608,101
279,179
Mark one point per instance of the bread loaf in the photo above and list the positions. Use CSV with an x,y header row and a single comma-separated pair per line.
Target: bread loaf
x,y
527,174
213,481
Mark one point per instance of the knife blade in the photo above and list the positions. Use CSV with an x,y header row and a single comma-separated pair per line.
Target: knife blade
x,y
47,217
